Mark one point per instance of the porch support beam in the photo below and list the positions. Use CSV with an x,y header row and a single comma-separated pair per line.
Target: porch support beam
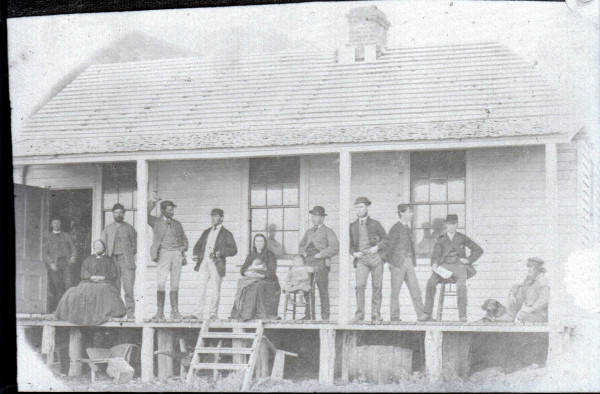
x,y
147,354
555,271
326,355
142,244
344,234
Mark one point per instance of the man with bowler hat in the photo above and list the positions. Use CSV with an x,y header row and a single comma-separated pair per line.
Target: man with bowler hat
x,y
210,252
402,262
449,253
120,239
168,245
368,247
318,246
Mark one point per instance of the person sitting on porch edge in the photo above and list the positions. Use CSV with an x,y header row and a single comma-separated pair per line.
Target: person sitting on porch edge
x,y
168,245
367,246
210,252
528,300
449,253
96,299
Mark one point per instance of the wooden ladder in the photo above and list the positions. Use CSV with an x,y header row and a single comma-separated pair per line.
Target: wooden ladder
x,y
205,335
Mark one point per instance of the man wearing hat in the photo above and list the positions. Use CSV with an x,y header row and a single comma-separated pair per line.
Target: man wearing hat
x,y
402,262
168,245
449,253
528,301
318,246
120,239
368,247
215,244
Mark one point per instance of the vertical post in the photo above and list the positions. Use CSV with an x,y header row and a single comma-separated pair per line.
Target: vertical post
x,y
555,270
97,204
147,354
433,354
348,352
75,350
344,234
326,355
165,363
262,365
141,225
48,342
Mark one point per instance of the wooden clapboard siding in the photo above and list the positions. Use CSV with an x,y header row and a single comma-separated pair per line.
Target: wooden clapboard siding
x,y
568,215
585,191
196,187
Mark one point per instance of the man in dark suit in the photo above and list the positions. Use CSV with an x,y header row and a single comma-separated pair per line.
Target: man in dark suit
x,y
449,253
210,252
121,244
59,254
367,246
168,245
402,262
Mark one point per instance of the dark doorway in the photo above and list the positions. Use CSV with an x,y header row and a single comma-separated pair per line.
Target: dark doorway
x,y
73,208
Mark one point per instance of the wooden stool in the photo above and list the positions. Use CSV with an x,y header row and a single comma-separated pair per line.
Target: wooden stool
x,y
447,288
291,297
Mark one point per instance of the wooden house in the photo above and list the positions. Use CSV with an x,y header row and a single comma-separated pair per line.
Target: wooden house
x,y
469,129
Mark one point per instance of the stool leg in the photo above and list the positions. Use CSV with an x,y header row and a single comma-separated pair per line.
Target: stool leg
x,y
294,307
440,307
285,306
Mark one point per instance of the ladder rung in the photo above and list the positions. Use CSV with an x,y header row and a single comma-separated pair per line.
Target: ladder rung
x,y
218,366
224,350
227,335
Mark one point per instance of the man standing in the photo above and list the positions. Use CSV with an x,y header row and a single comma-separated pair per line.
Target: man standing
x,y
450,254
214,246
367,246
402,262
59,254
168,245
528,301
318,246
121,244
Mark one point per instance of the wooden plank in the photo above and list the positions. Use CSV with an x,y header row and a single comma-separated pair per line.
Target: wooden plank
x,y
75,351
455,354
229,335
348,349
165,363
220,366
141,226
326,356
433,354
262,365
182,348
253,357
239,343
48,343
344,237
224,350
147,354
216,359
196,357
278,365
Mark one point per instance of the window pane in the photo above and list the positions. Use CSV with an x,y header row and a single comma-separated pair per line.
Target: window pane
x,y
275,220
437,191
274,194
291,219
275,243
456,190
110,197
259,219
458,209
126,196
421,216
438,215
420,190
108,218
129,217
421,239
290,194
290,242
258,195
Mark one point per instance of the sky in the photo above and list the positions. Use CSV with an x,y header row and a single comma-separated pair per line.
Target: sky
x,y
558,39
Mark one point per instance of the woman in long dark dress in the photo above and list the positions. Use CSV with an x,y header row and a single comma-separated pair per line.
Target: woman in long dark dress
x,y
257,293
96,298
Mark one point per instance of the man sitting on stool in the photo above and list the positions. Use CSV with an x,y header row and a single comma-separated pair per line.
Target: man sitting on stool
x,y
449,253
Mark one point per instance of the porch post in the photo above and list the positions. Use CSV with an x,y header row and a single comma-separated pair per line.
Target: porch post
x,y
344,234
554,269
142,244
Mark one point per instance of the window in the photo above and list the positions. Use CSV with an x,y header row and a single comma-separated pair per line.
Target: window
x,y
274,209
119,186
437,185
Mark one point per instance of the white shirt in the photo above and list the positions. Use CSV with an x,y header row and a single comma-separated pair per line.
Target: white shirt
x,y
451,236
210,241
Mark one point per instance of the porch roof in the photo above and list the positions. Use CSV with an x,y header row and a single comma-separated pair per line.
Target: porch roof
x,y
455,92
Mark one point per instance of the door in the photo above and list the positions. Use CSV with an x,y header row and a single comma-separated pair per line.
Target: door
x,y
31,217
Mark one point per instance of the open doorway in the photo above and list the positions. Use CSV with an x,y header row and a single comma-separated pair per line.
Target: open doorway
x,y
73,207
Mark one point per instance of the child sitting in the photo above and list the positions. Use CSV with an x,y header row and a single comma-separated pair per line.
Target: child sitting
x,y
298,278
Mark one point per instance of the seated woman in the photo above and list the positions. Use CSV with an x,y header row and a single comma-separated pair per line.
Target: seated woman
x,y
96,298
258,290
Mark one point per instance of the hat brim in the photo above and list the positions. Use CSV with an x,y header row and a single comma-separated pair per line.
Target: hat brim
x,y
317,213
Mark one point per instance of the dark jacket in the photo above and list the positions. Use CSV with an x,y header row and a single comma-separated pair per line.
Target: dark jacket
x,y
224,243
55,246
400,245
448,251
377,236
159,227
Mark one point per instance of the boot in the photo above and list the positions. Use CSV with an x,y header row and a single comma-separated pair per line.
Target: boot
x,y
160,304
174,297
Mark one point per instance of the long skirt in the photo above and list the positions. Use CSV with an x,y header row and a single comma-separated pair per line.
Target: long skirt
x,y
256,299
90,304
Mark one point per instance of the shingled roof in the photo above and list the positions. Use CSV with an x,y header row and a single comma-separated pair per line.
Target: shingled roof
x,y
447,92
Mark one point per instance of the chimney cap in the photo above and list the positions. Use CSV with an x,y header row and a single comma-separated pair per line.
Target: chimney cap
x,y
370,13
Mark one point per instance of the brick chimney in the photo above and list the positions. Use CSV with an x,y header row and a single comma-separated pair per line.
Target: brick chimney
x,y
368,28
